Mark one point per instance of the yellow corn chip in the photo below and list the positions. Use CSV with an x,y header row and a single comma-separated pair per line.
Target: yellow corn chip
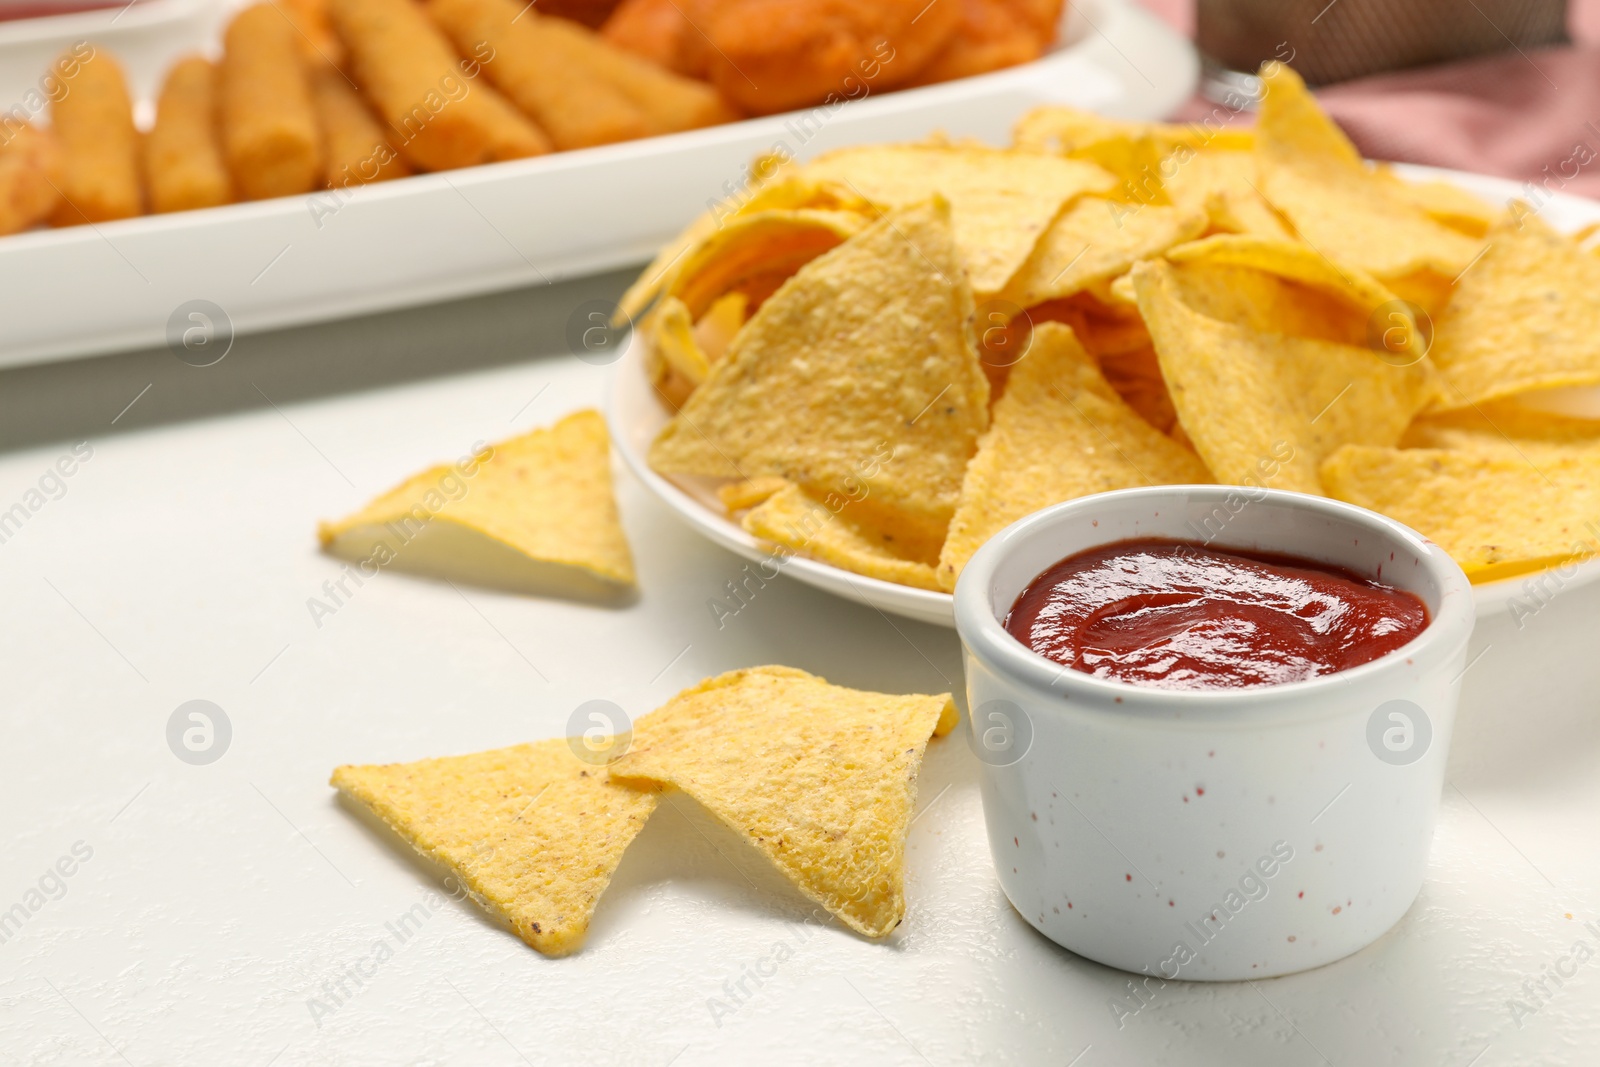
x,y
1223,185
1508,429
862,369
671,333
545,495
1095,240
1447,204
1298,262
1311,173
1000,201
1266,302
1265,409
756,252
821,779
532,831
791,518
1526,316
736,496
716,328
1086,135
1060,432
1497,516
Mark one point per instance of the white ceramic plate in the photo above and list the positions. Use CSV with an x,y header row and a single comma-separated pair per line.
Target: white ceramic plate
x,y
637,415
281,262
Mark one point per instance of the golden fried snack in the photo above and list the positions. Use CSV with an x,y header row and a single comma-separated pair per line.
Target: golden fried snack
x,y
441,114
30,173
775,55
669,33
354,146
590,13
269,131
93,124
183,166
539,74
670,102
994,34
314,34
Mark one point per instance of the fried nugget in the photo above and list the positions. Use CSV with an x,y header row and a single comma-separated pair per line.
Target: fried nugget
x,y
540,73
30,173
669,33
442,115
183,165
994,34
776,55
269,130
353,143
93,124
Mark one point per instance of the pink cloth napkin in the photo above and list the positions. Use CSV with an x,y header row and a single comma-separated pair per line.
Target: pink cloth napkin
x,y
1533,117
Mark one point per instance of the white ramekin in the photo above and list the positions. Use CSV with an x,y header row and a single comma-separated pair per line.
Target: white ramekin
x,y
1212,835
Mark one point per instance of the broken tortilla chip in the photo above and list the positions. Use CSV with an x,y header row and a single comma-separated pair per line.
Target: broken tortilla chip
x,y
1000,201
1497,516
790,518
1095,240
546,495
1060,432
1524,317
1263,409
861,370
533,832
821,779
1311,173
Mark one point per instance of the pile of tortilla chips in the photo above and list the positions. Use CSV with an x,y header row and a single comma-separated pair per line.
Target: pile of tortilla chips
x,y
820,779
884,356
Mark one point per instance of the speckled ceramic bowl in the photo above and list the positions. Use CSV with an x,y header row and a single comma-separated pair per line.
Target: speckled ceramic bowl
x,y
1212,835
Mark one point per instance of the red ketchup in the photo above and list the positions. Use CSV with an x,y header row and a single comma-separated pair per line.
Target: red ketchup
x,y
1179,615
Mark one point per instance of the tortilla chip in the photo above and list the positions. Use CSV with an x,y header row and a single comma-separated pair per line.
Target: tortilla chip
x,y
532,831
1311,173
756,253
1266,303
546,495
1125,148
1060,432
791,518
819,778
671,333
736,496
1265,409
722,320
1096,240
1136,376
1223,185
1496,515
861,370
1000,201
1447,204
1398,332
1526,316
1506,428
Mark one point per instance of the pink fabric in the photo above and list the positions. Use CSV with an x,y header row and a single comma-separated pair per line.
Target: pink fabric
x,y
1533,118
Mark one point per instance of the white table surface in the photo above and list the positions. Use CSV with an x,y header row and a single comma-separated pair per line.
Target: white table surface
x,y
219,898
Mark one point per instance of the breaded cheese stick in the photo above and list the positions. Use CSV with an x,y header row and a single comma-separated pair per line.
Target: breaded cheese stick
x,y
30,173
183,166
314,34
269,131
93,124
353,143
539,75
441,115
672,102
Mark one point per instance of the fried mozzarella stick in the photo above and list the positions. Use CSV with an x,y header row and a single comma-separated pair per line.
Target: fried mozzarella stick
x,y
442,116
183,166
30,173
573,104
356,149
672,102
93,124
314,35
269,131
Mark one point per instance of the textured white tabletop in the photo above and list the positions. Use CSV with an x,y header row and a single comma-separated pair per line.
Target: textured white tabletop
x,y
213,911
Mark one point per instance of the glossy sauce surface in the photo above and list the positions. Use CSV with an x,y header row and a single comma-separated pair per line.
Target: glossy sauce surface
x,y
1178,615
